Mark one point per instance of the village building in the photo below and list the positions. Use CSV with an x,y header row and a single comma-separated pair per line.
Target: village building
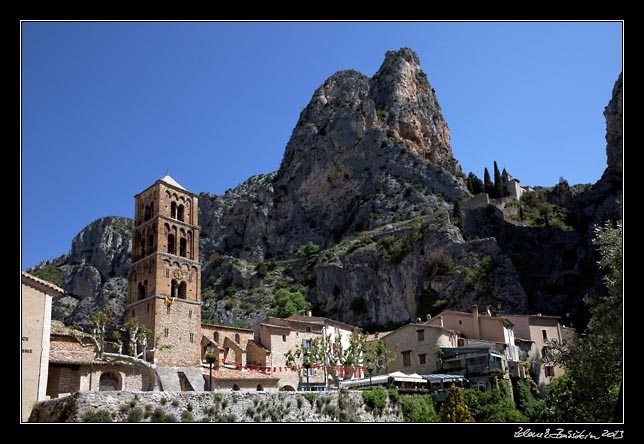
x,y
36,299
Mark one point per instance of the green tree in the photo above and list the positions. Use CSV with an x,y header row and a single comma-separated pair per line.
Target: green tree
x,y
454,409
418,408
474,184
287,303
594,360
498,183
458,216
494,405
488,186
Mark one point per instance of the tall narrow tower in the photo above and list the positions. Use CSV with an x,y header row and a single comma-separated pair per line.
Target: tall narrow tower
x,y
165,276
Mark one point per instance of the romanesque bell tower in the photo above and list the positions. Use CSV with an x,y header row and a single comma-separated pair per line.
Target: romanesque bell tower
x,y
165,275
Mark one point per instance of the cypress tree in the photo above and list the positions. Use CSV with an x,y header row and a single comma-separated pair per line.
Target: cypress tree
x,y
498,183
458,216
487,183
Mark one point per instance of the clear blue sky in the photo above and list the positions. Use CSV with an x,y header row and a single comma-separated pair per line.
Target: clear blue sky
x,y
108,107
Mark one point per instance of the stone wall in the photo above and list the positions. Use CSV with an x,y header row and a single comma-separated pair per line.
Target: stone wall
x,y
217,406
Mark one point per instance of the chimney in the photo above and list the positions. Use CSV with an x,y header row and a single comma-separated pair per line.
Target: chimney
x,y
475,321
309,313
441,319
429,317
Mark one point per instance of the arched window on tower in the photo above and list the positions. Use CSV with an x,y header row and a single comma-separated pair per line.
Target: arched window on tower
x,y
173,210
174,289
142,244
148,213
151,243
141,291
216,336
182,290
180,213
192,256
171,249
237,338
182,247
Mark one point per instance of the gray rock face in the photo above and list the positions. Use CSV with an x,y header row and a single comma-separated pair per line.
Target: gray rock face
x,y
614,125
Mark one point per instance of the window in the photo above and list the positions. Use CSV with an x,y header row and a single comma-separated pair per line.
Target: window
x,y
216,336
148,308
544,333
173,210
460,322
306,343
182,290
406,357
180,213
141,291
190,315
260,388
174,287
133,313
237,338
192,337
421,335
310,371
167,272
283,338
167,309
550,371
308,329
171,249
151,244
148,213
544,352
182,247
165,332
422,358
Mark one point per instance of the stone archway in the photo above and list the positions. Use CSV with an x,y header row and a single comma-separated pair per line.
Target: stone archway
x,y
109,381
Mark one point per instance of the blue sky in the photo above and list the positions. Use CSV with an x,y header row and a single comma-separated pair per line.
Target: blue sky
x,y
108,107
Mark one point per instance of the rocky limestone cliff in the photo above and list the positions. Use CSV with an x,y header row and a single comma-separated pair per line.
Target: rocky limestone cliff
x,y
368,176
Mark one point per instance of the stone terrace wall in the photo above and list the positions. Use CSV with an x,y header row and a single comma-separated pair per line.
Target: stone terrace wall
x,y
215,407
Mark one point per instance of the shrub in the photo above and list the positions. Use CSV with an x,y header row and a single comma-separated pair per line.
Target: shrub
x,y
310,397
300,402
124,408
189,407
375,400
49,273
148,411
186,416
329,410
171,418
218,398
163,401
418,408
175,403
135,415
158,415
133,403
394,396
250,412
101,415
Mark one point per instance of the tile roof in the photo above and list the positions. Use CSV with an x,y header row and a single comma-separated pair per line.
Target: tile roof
x,y
231,375
67,356
31,277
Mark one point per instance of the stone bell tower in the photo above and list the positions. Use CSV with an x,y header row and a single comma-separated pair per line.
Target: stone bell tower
x,y
165,276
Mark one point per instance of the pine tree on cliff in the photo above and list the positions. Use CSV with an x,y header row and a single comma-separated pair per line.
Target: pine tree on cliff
x,y
498,183
474,184
487,183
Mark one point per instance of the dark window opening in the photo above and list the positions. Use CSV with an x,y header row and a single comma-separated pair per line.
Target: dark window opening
x,y
260,388
148,213
308,329
237,338
108,382
173,210
421,335
141,291
550,371
151,244
165,332
189,314
174,287
182,247
192,337
406,357
148,308
171,249
284,338
422,358
142,246
216,336
235,388
544,333
167,309
180,213
182,290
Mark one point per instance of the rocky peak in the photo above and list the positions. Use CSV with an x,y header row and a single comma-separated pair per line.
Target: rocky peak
x,y
614,123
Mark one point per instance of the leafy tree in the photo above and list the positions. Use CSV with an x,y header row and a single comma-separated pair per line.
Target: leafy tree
x,y
454,409
488,186
309,249
495,405
418,408
527,400
593,362
458,216
498,182
474,184
287,303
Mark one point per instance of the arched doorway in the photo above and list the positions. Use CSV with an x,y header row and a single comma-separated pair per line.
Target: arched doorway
x,y
109,382
235,388
260,388
288,388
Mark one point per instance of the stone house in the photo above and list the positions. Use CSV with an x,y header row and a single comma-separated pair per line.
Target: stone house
x,y
275,337
532,332
415,346
73,367
230,343
35,303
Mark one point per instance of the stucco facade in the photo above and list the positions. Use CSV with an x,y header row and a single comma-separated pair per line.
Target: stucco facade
x,y
35,301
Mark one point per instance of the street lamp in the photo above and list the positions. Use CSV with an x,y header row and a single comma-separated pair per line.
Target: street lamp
x,y
210,358
307,366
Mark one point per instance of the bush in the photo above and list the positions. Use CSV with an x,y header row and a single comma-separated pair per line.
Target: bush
x,y
186,416
394,396
493,406
375,400
287,303
311,397
101,415
175,403
49,273
309,249
393,249
135,415
158,415
418,408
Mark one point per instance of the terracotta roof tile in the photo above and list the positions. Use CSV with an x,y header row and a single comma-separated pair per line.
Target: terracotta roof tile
x,y
230,374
